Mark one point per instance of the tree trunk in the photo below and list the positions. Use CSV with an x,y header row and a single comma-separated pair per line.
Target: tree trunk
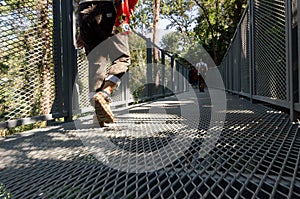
x,y
211,28
46,99
156,12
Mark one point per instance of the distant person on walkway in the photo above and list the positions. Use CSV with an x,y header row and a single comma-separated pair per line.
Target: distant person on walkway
x,y
104,28
193,77
202,70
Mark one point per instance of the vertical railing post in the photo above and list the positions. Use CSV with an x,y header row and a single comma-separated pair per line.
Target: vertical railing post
x,y
186,78
252,51
182,77
57,58
180,80
172,72
298,55
177,82
69,57
149,68
231,69
163,72
226,72
288,51
239,61
126,89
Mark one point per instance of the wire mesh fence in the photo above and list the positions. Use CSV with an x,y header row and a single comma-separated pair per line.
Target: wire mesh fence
x,y
27,69
245,52
259,55
257,154
44,77
270,58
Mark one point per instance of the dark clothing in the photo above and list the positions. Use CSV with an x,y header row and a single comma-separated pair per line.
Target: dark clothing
x,y
201,83
193,77
96,21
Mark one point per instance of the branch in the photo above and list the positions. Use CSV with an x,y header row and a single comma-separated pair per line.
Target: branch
x,y
205,12
210,26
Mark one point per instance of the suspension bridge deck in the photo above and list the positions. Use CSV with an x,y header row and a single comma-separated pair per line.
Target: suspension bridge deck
x,y
255,155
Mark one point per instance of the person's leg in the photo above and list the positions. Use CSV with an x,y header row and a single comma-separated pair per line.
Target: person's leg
x,y
201,83
112,82
96,25
120,54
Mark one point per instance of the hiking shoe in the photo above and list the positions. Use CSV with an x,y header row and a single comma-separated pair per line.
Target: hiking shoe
x,y
102,107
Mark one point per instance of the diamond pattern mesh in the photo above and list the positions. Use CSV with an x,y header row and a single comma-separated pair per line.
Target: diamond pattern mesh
x,y
236,50
270,54
83,81
256,156
269,49
26,64
245,72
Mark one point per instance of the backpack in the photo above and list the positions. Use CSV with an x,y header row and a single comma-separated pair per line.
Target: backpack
x,y
124,11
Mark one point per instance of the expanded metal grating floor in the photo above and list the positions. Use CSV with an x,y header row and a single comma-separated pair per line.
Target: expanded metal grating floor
x,y
256,155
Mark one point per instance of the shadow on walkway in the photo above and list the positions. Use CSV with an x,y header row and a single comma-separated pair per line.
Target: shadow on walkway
x,y
256,155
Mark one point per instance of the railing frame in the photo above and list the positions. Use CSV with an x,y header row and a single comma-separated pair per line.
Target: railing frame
x,y
228,63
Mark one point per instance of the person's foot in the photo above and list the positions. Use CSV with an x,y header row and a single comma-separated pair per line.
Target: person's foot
x,y
102,108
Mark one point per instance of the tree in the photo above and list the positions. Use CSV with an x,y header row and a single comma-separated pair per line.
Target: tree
x,y
181,14
211,23
217,23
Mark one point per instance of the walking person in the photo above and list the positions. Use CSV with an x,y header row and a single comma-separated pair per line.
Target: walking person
x,y
202,70
193,77
104,26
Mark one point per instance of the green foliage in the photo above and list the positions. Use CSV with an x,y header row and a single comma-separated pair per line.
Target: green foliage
x,y
172,42
4,194
143,16
217,23
209,23
138,67
181,14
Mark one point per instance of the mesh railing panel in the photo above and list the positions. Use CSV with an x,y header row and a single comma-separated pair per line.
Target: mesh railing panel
x,y
263,35
26,59
168,74
230,69
236,50
138,69
222,70
82,81
270,51
245,53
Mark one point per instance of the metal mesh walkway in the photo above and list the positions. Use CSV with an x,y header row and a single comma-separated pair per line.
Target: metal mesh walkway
x,y
256,155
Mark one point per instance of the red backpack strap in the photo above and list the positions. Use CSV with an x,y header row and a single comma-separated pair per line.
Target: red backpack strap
x,y
124,9
132,4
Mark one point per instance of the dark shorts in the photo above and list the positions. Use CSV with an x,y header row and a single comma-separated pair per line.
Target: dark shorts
x,y
96,21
